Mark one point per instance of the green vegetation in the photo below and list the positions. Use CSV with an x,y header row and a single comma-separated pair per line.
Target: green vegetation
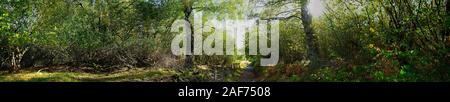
x,y
133,75
129,40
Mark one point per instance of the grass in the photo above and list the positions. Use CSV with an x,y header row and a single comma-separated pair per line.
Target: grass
x,y
133,75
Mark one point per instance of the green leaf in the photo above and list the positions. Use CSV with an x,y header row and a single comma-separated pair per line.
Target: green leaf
x,y
402,72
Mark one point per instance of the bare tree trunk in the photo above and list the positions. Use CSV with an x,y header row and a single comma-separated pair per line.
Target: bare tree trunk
x,y
13,62
310,40
16,58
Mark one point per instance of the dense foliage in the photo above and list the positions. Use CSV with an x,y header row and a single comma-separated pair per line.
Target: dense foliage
x,y
353,40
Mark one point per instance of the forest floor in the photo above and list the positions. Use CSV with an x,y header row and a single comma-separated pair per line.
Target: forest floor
x,y
125,74
128,75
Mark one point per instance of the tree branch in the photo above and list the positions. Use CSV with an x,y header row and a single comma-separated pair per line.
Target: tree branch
x,y
282,18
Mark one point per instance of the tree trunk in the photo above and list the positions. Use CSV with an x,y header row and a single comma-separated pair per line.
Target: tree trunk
x,y
447,9
13,62
16,58
447,28
188,62
447,6
310,40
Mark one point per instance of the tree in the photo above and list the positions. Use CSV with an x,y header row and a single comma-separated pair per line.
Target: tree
x,y
310,36
188,8
299,11
187,11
